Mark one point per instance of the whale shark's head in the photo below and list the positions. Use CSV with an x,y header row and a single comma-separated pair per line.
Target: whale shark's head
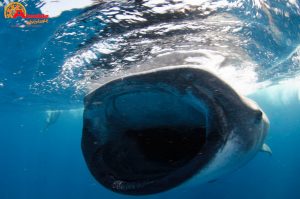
x,y
149,132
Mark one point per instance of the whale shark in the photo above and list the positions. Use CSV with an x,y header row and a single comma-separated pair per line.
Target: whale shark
x,y
151,131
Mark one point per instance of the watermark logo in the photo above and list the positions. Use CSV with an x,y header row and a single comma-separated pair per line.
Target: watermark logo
x,y
15,10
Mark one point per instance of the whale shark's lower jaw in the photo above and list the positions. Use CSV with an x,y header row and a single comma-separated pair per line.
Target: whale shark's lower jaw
x,y
150,132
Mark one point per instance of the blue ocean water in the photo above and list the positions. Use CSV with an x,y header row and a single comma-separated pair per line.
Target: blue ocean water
x,y
50,68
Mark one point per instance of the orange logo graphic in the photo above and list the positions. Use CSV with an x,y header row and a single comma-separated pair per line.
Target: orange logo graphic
x,y
14,10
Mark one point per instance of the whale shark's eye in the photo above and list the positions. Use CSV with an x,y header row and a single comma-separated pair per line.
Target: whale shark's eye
x,y
258,116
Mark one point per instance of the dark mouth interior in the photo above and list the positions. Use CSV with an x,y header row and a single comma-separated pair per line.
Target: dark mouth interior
x,y
151,135
170,146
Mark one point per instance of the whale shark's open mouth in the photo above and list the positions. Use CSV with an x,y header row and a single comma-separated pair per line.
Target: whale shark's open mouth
x,y
141,136
152,134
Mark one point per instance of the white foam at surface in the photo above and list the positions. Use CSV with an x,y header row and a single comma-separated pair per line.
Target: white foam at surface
x,y
284,93
55,8
242,79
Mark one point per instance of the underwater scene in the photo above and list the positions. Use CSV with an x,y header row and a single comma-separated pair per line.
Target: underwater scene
x,y
151,99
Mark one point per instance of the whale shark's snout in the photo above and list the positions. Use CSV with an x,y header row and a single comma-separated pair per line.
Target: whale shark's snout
x,y
149,132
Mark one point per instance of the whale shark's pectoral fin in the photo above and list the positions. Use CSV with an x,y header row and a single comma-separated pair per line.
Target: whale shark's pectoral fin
x,y
266,148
